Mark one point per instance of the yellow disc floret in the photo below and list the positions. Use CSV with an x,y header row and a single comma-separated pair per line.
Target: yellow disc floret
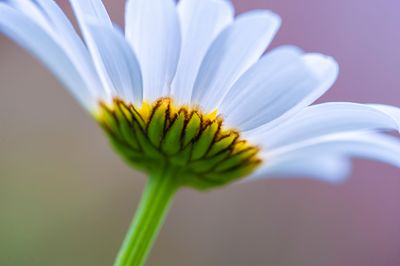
x,y
202,153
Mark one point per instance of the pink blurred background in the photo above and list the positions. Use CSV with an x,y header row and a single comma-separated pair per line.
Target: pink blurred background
x,y
67,199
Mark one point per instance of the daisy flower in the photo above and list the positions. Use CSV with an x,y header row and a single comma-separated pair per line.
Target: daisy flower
x,y
185,94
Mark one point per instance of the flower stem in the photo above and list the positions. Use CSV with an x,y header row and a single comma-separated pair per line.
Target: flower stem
x,y
149,217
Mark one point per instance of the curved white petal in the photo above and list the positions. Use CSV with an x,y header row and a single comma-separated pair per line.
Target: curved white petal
x,y
119,61
329,168
52,19
392,111
93,12
237,48
30,9
90,10
365,145
201,21
274,85
327,158
329,118
28,34
152,28
324,70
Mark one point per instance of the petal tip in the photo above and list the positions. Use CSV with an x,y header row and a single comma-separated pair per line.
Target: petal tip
x,y
264,15
320,65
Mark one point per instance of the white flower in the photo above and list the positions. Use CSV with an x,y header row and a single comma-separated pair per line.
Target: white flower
x,y
196,54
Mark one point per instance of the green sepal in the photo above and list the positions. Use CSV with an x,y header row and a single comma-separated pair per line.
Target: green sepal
x,y
126,128
132,157
136,116
234,173
171,143
192,128
222,144
236,159
200,182
206,138
109,120
146,146
156,126
207,164
183,157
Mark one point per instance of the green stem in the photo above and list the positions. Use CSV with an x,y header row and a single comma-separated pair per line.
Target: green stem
x,y
149,217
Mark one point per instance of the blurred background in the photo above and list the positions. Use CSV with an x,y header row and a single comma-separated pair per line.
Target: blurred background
x,y
67,199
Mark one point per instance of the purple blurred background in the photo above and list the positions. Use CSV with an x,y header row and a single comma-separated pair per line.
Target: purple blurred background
x,y
67,199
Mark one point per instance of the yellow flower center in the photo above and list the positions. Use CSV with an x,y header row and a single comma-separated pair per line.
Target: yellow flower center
x,y
203,153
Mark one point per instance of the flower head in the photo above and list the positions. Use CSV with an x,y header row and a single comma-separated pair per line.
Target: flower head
x,y
187,85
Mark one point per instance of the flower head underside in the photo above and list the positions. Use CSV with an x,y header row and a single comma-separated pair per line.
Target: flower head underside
x,y
203,153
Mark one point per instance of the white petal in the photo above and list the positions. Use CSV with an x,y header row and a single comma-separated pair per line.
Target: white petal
x,y
38,41
201,21
119,61
93,12
324,70
326,158
152,28
328,118
90,10
392,111
329,168
30,9
67,37
52,19
231,54
279,81
373,146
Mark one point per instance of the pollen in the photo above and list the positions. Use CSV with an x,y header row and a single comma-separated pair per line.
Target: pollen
x,y
195,144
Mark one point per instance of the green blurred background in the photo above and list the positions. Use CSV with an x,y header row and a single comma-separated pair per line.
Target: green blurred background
x,y
67,199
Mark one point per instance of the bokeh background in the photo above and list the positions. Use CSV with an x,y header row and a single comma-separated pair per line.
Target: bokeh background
x,y
67,199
